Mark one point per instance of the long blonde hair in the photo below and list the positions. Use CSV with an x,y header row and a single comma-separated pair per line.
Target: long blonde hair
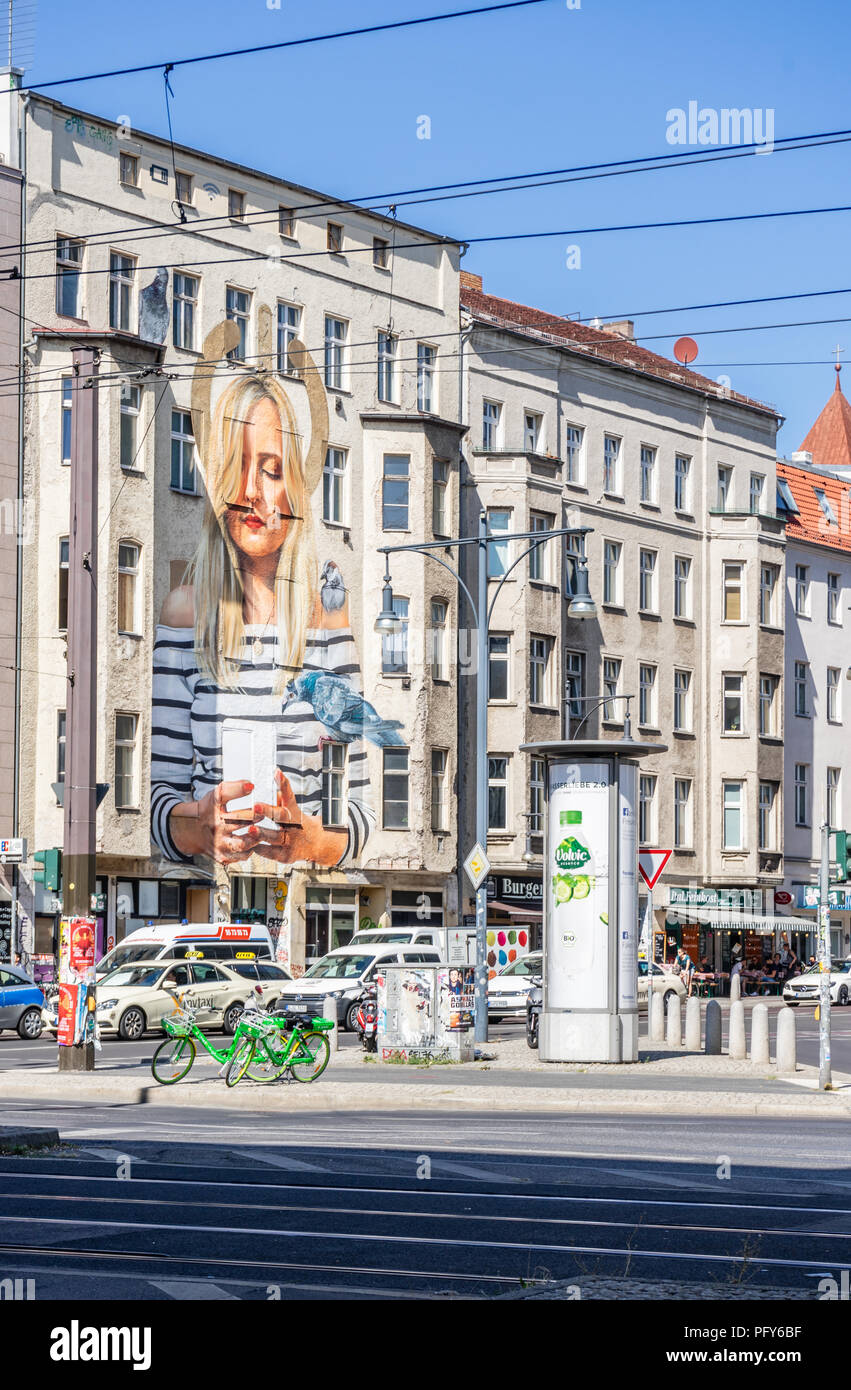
x,y
215,569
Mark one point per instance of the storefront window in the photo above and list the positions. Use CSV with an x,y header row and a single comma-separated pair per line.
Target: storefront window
x,y
248,899
330,919
418,907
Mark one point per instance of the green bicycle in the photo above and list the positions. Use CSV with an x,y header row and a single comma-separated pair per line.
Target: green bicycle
x,y
303,1055
256,1049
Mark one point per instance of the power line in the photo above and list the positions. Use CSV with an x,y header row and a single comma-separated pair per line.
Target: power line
x,y
288,43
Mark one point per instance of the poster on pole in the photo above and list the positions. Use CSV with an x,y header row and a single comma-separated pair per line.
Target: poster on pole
x,y
76,978
577,883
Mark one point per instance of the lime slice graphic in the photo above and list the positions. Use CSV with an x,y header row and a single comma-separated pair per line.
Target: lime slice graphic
x,y
604,917
564,891
581,887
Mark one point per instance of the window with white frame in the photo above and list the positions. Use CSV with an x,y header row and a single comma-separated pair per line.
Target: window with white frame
x,y
128,586
802,590
723,488
647,581
682,586
499,649
439,764
826,506
733,703
497,792
533,425
380,253
768,576
394,645
67,403
612,465
682,813
574,547
236,205
182,452
334,489
336,332
540,651
648,474
387,367
426,357
682,492
682,701
733,576
733,829
395,788
611,683
130,406
286,223
64,571
832,798
612,590
395,492
573,469
61,744
499,551
440,497
647,694
184,310
802,793
126,780
767,816
540,560
757,485
122,272
574,682
69,264
128,169
288,329
334,808
536,796
439,660
491,422
768,705
334,238
647,809
834,612
183,187
802,680
238,310
832,691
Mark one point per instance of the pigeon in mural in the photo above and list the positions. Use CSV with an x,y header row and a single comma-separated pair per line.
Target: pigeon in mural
x,y
333,591
345,713
153,309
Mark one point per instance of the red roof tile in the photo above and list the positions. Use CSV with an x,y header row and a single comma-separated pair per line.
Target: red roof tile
x,y
829,440
811,524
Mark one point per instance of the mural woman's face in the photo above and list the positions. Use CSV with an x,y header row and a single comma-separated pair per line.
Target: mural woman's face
x,y
257,517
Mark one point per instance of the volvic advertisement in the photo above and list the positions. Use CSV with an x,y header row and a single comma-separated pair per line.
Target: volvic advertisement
x,y
577,879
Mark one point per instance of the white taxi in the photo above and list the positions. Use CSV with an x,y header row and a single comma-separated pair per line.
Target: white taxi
x,y
134,998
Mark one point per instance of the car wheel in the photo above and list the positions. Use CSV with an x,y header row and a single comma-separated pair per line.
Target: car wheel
x,y
131,1025
532,1034
231,1018
30,1024
352,1017
842,996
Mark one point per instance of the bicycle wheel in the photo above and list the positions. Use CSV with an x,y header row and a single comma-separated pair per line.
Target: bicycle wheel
x,y
268,1062
172,1060
310,1057
240,1061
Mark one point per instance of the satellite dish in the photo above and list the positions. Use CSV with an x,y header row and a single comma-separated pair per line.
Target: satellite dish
x,y
685,350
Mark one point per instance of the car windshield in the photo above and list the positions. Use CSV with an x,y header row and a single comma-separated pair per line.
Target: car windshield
x,y
136,976
339,967
398,938
842,967
125,955
526,965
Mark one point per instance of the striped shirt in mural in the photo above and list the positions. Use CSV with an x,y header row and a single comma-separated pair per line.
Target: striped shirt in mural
x,y
188,714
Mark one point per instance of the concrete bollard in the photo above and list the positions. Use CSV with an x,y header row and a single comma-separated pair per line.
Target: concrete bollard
x,y
759,1034
674,1035
329,1010
712,1043
738,1046
787,1042
693,1025
735,988
657,1017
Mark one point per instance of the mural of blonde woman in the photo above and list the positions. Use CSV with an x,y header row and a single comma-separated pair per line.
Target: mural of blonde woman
x,y
242,648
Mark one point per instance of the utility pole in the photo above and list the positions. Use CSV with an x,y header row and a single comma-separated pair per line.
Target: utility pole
x,y
824,1073
81,728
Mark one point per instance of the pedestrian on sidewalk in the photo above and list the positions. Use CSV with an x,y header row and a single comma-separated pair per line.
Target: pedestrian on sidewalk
x,y
686,969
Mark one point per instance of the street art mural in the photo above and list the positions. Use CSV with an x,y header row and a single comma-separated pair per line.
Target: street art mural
x,y
256,682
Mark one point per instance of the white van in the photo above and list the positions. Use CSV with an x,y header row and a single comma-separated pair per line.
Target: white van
x,y
196,940
453,943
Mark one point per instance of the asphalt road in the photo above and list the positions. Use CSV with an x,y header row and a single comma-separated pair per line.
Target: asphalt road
x,y
224,1206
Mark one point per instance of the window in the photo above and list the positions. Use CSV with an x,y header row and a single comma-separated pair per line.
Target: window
x,y
574,548
826,508
612,465
648,474
767,589
334,238
64,564
646,810
734,704
802,590
540,649
439,761
647,694
757,483
394,645
236,205
532,427
682,701
183,188
785,501
768,705
128,170
536,796
386,367
802,794
69,261
725,483
426,355
540,567
497,793
574,682
647,581
611,681
491,417
395,488
334,810
334,486
612,551
335,346
682,469
60,745
767,802
238,310
439,611
732,592
833,713
67,403
126,793
128,575
131,400
802,671
498,552
380,253
732,827
395,789
122,270
574,435
682,587
833,589
286,223
289,327
184,311
182,452
682,813
439,497
832,800
498,661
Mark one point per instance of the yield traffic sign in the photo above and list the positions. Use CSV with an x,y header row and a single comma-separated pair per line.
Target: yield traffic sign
x,y
477,866
651,862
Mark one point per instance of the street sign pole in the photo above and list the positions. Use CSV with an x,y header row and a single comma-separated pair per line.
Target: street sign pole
x,y
824,1072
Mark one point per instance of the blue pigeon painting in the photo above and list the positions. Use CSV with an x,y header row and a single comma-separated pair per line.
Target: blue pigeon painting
x,y
153,309
345,713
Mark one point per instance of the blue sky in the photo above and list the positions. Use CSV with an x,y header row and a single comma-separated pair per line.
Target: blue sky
x,y
533,89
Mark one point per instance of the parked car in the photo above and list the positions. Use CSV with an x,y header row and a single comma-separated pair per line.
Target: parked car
x,y
134,998
665,982
804,989
343,974
21,1002
507,991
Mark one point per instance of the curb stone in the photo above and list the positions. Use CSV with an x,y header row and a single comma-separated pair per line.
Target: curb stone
x,y
11,1138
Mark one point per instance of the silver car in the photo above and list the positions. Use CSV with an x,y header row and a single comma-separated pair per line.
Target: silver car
x,y
21,1001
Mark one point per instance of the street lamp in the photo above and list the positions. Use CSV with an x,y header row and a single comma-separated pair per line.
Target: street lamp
x,y
581,606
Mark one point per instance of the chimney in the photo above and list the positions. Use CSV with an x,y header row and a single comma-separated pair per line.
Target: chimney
x,y
801,456
470,281
625,328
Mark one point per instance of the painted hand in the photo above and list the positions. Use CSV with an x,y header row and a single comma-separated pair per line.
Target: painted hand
x,y
299,836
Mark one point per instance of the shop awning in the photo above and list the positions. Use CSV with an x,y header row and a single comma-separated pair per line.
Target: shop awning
x,y
727,921
529,914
